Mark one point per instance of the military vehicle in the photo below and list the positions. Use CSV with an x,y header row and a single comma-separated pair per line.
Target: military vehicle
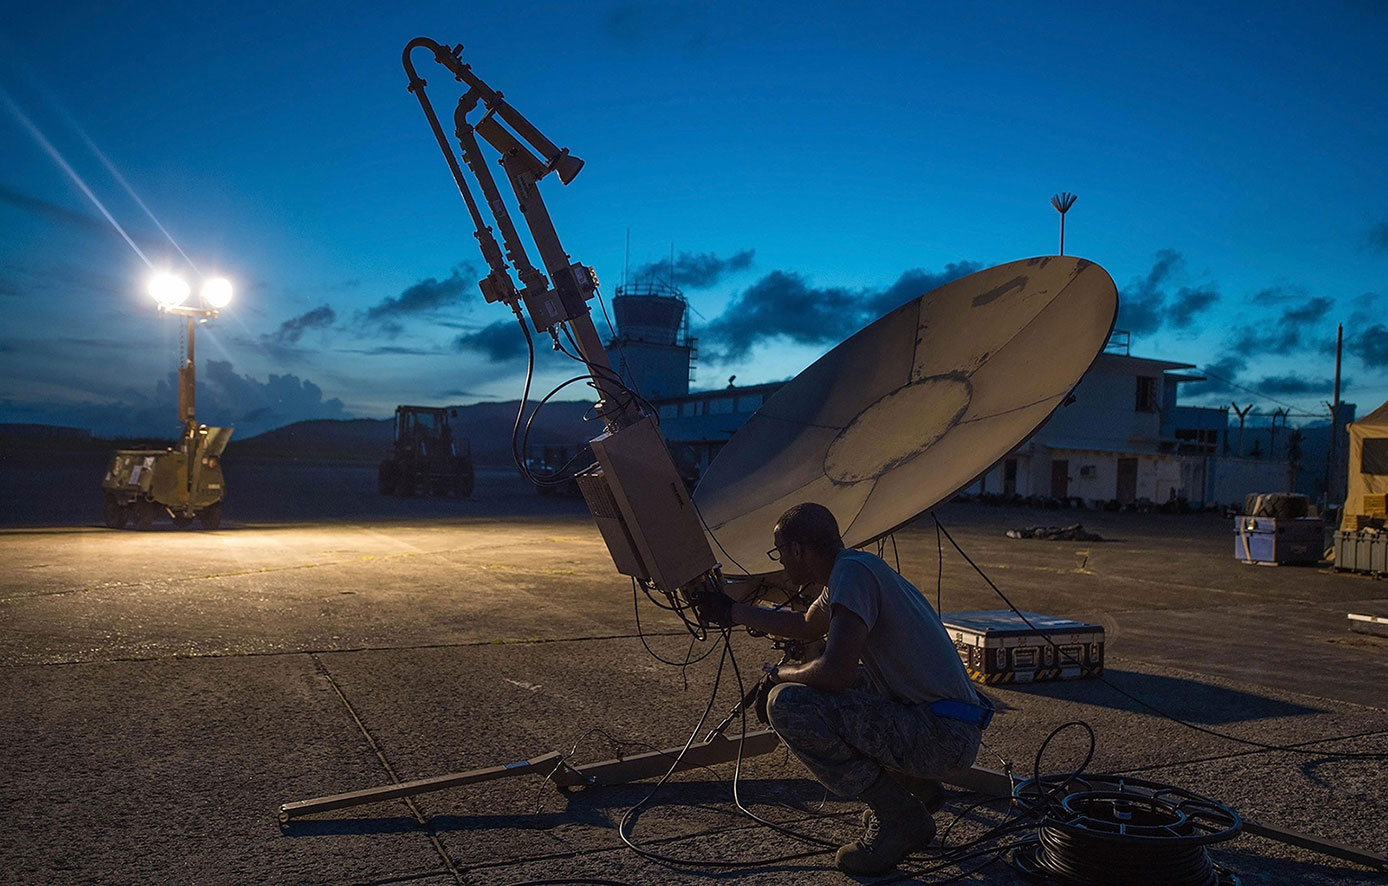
x,y
427,458
144,484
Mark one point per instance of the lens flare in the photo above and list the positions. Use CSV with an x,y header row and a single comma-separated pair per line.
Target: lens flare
x,y
71,173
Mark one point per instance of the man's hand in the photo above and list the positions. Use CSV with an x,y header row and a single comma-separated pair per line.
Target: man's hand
x,y
714,608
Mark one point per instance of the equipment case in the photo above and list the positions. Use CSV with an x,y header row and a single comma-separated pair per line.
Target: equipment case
x,y
1268,541
997,646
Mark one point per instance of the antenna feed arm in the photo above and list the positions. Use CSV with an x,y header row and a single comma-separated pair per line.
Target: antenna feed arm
x,y
555,158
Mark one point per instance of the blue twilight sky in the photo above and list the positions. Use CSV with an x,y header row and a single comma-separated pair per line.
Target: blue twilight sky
x,y
805,163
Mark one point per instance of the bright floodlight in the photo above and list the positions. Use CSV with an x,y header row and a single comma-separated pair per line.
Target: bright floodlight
x,y
217,292
168,289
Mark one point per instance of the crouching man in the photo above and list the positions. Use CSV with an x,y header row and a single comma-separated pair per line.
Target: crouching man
x,y
886,709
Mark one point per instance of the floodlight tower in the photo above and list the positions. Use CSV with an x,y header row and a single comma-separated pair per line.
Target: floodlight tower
x,y
171,292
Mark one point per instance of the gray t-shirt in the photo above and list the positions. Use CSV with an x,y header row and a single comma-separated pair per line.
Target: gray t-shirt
x,y
908,652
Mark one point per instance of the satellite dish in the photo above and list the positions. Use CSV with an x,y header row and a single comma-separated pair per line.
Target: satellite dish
x,y
912,408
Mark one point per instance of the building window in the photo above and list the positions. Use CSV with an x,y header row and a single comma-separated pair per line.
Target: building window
x,y
749,404
720,405
1146,393
669,410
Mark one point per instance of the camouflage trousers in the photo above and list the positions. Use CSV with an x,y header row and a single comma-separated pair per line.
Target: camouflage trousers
x,y
847,738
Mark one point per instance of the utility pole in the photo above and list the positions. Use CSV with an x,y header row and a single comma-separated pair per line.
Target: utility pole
x,y
1062,203
1332,453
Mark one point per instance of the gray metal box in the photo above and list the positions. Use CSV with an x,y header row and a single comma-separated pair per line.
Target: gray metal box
x,y
1378,554
1346,550
643,510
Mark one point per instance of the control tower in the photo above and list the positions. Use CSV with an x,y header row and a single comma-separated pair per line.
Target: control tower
x,y
653,349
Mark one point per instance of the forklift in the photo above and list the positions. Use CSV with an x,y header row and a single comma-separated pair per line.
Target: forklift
x,y
427,458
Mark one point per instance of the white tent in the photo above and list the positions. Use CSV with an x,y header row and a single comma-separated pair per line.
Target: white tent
x,y
1368,468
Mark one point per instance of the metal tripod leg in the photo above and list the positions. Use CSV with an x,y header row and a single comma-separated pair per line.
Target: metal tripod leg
x,y
555,767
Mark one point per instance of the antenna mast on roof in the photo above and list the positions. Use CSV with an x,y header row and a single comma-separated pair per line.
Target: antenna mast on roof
x,y
1062,203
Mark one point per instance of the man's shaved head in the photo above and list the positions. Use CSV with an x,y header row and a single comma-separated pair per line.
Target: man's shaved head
x,y
813,525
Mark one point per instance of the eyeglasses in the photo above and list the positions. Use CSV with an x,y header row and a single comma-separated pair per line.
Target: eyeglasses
x,y
775,553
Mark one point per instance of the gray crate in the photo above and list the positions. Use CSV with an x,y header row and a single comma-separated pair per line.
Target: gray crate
x,y
1362,552
1346,550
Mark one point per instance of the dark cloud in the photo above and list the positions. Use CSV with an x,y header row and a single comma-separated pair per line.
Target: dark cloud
x,y
1225,379
694,270
500,341
1188,304
1370,345
784,305
460,394
1279,295
1221,377
1140,305
395,351
1275,385
1377,238
54,213
292,330
1145,305
917,282
427,295
1294,329
225,399
781,304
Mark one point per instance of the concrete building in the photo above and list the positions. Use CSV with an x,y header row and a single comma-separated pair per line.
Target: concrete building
x,y
1119,437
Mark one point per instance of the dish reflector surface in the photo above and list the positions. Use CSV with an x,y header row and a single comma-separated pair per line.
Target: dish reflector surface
x,y
912,408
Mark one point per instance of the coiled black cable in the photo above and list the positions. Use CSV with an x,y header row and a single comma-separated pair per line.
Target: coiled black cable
x,y
1082,859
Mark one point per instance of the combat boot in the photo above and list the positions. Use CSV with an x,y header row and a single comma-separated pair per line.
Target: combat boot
x,y
929,791
899,826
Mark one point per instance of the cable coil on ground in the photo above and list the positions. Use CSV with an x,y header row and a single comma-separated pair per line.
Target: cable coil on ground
x,y
1105,829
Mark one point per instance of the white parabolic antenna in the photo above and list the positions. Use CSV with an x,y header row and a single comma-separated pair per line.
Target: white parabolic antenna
x,y
912,408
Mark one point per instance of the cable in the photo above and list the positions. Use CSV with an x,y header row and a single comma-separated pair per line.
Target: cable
x,y
1061,654
940,567
627,817
561,474
709,529
641,634
525,392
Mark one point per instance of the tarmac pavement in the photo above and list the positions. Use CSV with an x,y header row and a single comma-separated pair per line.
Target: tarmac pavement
x,y
164,692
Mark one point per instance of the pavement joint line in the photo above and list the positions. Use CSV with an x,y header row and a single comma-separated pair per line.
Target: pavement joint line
x,y
1224,680
1295,748
390,771
533,641
1136,579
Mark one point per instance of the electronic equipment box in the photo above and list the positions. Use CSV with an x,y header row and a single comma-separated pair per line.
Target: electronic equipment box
x,y
998,646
